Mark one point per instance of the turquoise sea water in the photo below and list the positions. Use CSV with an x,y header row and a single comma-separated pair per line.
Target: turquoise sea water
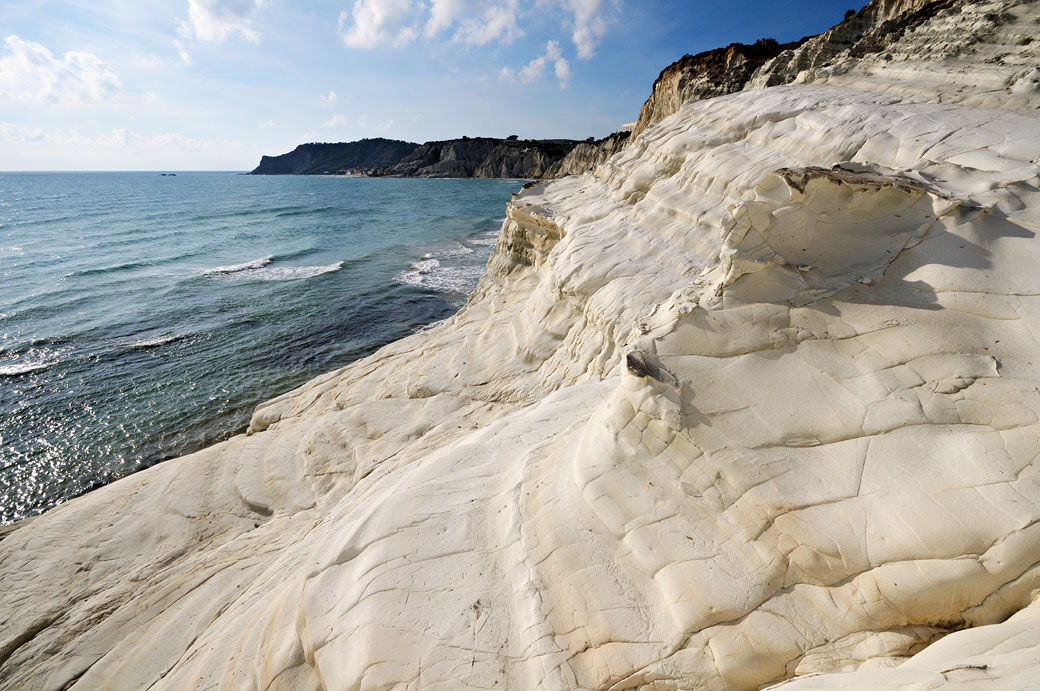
x,y
142,317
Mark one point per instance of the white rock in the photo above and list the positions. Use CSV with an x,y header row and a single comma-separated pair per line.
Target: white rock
x,y
675,440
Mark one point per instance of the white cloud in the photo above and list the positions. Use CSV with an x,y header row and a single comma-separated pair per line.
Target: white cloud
x,y
591,21
267,125
214,20
183,52
12,132
563,72
31,72
589,27
329,100
336,121
373,23
535,70
444,13
476,23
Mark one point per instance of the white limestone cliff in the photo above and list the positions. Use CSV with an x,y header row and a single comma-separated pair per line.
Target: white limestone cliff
x,y
983,53
755,402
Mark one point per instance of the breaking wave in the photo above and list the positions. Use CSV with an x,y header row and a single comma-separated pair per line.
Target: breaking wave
x,y
237,268
261,270
488,239
13,369
432,275
157,340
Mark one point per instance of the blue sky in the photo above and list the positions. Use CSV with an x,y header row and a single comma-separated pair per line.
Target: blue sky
x,y
213,84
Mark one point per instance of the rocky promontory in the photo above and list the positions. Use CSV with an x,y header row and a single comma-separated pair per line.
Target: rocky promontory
x,y
467,157
342,158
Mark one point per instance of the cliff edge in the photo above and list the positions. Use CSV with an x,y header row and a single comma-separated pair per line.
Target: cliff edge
x,y
712,73
343,158
754,402
981,54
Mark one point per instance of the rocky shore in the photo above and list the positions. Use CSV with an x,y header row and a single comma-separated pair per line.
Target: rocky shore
x,y
755,401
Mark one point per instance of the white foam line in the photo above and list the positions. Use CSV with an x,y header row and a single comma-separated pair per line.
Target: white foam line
x,y
235,268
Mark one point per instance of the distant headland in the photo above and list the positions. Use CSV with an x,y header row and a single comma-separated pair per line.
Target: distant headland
x,y
468,157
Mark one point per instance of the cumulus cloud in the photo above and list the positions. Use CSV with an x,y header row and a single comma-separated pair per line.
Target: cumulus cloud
x,y
31,72
376,23
590,26
444,13
475,23
535,70
373,23
329,100
214,20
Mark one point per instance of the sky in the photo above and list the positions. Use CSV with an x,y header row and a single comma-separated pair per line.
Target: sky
x,y
214,84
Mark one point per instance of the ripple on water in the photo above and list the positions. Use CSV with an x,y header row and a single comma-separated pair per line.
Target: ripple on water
x,y
147,320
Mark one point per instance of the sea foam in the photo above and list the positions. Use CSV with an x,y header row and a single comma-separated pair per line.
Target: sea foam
x,y
260,270
236,268
13,369
432,275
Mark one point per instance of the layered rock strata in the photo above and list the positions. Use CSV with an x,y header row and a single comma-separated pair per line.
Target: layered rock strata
x,y
587,155
980,53
757,401
985,54
482,157
712,73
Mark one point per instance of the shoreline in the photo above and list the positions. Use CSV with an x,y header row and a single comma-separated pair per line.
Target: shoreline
x,y
220,304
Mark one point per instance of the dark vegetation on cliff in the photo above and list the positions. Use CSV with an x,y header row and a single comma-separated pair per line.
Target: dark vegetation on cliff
x,y
482,157
468,157
325,159
712,73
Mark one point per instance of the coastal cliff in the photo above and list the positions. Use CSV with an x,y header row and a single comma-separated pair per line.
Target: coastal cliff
x,y
468,157
706,75
324,159
755,401
587,155
483,157
931,49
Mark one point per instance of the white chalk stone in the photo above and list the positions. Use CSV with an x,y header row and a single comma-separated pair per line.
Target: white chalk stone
x,y
756,401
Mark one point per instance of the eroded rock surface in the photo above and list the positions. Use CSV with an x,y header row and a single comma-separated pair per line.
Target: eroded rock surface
x,y
587,155
984,53
755,402
712,73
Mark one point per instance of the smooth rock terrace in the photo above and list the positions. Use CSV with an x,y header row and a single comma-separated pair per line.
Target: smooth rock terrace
x,y
755,401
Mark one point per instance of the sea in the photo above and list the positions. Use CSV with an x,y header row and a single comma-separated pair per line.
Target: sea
x,y
143,316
